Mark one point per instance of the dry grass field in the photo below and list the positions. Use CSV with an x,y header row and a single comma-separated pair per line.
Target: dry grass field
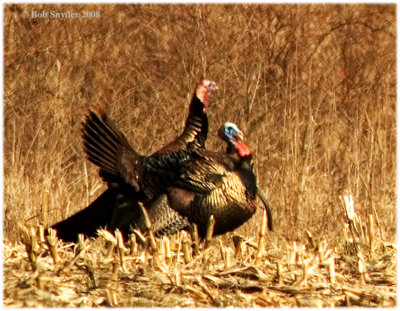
x,y
313,87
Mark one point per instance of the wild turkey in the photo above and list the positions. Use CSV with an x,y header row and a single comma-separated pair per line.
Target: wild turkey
x,y
197,182
117,207
226,132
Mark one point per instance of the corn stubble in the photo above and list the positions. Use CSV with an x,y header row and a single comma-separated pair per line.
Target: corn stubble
x,y
168,272
312,86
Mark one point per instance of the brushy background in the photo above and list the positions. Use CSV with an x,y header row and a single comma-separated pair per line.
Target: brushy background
x,y
313,88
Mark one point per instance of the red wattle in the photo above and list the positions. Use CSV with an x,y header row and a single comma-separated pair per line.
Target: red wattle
x,y
243,149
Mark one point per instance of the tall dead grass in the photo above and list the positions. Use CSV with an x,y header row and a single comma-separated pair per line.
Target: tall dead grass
x,y
312,86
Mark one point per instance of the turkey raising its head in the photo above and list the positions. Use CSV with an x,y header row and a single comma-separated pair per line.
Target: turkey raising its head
x,y
196,126
204,89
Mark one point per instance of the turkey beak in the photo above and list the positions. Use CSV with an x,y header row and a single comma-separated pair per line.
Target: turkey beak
x,y
213,87
238,135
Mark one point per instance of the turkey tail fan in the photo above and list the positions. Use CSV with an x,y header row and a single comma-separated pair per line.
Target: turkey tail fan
x,y
108,148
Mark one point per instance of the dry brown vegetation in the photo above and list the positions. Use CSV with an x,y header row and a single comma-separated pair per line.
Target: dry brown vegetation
x,y
312,86
178,271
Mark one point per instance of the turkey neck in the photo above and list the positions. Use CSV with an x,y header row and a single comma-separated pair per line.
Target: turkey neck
x,y
244,168
196,128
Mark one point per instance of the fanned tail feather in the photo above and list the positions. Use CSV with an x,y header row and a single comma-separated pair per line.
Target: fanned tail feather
x,y
108,148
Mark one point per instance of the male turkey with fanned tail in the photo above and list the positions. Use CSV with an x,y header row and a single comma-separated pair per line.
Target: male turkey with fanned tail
x,y
117,207
198,182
